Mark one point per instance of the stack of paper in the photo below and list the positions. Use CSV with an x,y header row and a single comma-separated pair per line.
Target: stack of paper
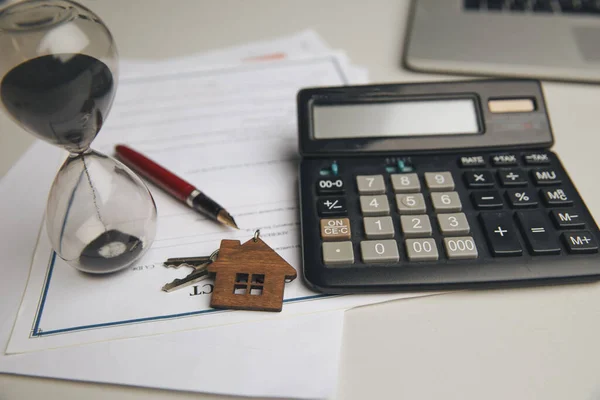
x,y
226,122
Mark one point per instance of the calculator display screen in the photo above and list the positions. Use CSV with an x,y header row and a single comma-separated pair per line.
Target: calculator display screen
x,y
404,118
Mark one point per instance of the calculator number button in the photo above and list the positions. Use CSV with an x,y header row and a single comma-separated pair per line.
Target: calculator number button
x,y
370,184
374,251
486,200
406,183
567,220
332,206
540,237
446,202
374,205
501,235
545,176
438,181
579,242
330,186
421,249
338,253
556,197
415,225
410,203
504,160
335,229
453,224
479,179
512,177
460,248
536,159
379,227
521,198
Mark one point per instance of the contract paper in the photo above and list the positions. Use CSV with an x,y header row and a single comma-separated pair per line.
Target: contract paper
x,y
230,132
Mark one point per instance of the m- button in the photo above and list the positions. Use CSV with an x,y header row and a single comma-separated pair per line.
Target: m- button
x,y
335,229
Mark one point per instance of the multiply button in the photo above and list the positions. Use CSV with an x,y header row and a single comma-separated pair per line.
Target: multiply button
x,y
500,234
479,179
335,229
471,161
567,219
579,242
501,160
541,239
332,206
556,197
536,159
545,176
512,177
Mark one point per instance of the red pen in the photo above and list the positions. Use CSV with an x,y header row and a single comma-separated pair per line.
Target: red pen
x,y
173,185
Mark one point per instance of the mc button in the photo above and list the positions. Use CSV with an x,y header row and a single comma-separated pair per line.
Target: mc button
x,y
335,229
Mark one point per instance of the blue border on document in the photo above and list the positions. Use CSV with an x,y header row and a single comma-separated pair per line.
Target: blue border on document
x,y
37,332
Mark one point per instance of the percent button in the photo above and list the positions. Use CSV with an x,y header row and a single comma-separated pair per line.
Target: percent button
x,y
521,198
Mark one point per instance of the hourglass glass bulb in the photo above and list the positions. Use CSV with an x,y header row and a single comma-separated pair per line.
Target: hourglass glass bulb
x,y
100,216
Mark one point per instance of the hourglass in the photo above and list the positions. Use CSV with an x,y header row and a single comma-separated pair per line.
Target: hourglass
x,y
58,77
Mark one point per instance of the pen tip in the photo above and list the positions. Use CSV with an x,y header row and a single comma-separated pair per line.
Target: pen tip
x,y
225,218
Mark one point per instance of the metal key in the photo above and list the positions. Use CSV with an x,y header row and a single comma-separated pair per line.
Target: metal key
x,y
199,273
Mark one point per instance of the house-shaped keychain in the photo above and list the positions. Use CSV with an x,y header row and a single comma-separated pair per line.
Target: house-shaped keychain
x,y
249,276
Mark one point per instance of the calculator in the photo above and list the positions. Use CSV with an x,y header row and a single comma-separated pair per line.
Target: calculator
x,y
428,186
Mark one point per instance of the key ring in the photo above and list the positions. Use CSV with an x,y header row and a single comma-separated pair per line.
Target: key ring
x,y
214,255
256,235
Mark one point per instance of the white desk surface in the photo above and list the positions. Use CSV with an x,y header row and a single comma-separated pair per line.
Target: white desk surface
x,y
539,343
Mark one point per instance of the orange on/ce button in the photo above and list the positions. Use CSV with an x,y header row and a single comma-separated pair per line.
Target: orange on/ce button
x,y
335,229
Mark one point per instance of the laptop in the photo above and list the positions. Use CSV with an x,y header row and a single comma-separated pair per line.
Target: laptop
x,y
544,39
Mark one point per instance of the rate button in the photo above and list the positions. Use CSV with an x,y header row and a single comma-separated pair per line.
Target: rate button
x,y
335,229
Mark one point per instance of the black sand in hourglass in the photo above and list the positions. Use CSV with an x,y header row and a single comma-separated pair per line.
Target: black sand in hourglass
x,y
64,98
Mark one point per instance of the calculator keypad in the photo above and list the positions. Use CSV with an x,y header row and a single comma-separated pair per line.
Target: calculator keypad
x,y
338,253
446,202
379,251
406,183
379,227
421,249
374,205
439,181
415,225
370,184
410,203
453,224
468,209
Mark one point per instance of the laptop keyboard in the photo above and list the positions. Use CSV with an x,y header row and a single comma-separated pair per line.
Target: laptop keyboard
x,y
565,7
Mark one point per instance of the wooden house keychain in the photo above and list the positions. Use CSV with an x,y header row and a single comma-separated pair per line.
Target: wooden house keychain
x,y
249,276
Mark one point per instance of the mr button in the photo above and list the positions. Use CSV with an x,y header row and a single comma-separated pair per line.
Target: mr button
x,y
335,229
